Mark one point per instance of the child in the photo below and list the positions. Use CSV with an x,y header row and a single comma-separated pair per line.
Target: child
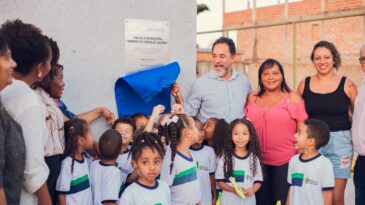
x,y
126,127
140,120
147,155
104,176
206,164
73,182
215,131
310,174
241,161
179,167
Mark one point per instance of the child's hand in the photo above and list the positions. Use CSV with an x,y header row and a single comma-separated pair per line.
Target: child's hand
x,y
157,110
248,192
178,109
214,200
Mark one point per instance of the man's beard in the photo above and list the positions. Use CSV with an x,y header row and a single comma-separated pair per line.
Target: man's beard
x,y
221,73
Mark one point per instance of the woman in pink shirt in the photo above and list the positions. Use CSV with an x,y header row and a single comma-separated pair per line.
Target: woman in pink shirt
x,y
275,112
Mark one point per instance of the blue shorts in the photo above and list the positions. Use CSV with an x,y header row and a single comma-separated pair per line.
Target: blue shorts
x,y
339,151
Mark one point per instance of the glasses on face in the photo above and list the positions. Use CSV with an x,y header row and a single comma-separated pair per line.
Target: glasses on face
x,y
362,59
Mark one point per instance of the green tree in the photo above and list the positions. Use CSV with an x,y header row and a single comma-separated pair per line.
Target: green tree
x,y
202,8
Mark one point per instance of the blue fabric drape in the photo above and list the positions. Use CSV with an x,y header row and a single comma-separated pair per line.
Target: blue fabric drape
x,y
142,90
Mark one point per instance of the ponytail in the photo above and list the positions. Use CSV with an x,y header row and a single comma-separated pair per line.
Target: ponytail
x,y
73,129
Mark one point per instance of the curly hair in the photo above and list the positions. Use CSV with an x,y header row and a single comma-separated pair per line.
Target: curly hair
x,y
330,46
221,132
252,147
173,132
3,45
146,140
28,45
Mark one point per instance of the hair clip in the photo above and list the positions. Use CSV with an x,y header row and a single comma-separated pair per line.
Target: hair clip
x,y
72,129
166,121
174,119
142,140
155,141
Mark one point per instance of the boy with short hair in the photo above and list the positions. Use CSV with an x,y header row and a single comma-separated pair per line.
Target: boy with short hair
x,y
104,176
127,128
310,174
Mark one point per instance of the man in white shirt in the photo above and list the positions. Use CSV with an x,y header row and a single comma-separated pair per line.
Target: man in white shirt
x,y
358,137
221,93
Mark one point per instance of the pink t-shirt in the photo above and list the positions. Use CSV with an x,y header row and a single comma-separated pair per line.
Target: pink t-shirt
x,y
275,129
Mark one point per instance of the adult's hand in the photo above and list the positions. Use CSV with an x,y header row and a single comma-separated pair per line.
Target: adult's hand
x,y
175,92
108,115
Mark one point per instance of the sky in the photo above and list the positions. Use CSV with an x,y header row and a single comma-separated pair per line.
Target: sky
x,y
213,19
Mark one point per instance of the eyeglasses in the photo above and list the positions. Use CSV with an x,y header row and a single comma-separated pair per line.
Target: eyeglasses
x,y
362,59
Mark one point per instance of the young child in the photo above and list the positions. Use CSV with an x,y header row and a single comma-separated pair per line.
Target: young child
x,y
140,120
104,176
73,182
241,161
206,164
179,167
147,155
215,131
310,174
126,127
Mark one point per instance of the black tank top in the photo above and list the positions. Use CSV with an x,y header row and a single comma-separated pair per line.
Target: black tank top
x,y
331,108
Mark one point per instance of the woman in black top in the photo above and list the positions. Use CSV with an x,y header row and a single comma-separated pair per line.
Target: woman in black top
x,y
12,148
330,97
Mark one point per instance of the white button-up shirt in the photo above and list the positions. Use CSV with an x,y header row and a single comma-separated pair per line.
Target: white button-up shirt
x,y
212,96
358,121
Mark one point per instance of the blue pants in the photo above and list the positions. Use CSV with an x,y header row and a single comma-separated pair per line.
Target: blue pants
x,y
359,180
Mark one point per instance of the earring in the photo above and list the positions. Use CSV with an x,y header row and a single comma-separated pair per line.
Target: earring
x,y
40,74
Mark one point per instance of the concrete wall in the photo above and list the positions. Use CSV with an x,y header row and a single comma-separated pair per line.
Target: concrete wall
x,y
90,34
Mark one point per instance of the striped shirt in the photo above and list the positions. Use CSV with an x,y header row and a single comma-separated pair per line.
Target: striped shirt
x,y
183,180
75,185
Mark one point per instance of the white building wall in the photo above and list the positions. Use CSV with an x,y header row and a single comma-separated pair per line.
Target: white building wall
x,y
90,34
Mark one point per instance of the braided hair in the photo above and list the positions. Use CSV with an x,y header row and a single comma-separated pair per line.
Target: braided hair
x,y
146,140
173,132
253,147
74,129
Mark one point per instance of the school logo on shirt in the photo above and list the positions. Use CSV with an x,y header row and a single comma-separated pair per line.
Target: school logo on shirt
x,y
201,167
297,179
311,181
